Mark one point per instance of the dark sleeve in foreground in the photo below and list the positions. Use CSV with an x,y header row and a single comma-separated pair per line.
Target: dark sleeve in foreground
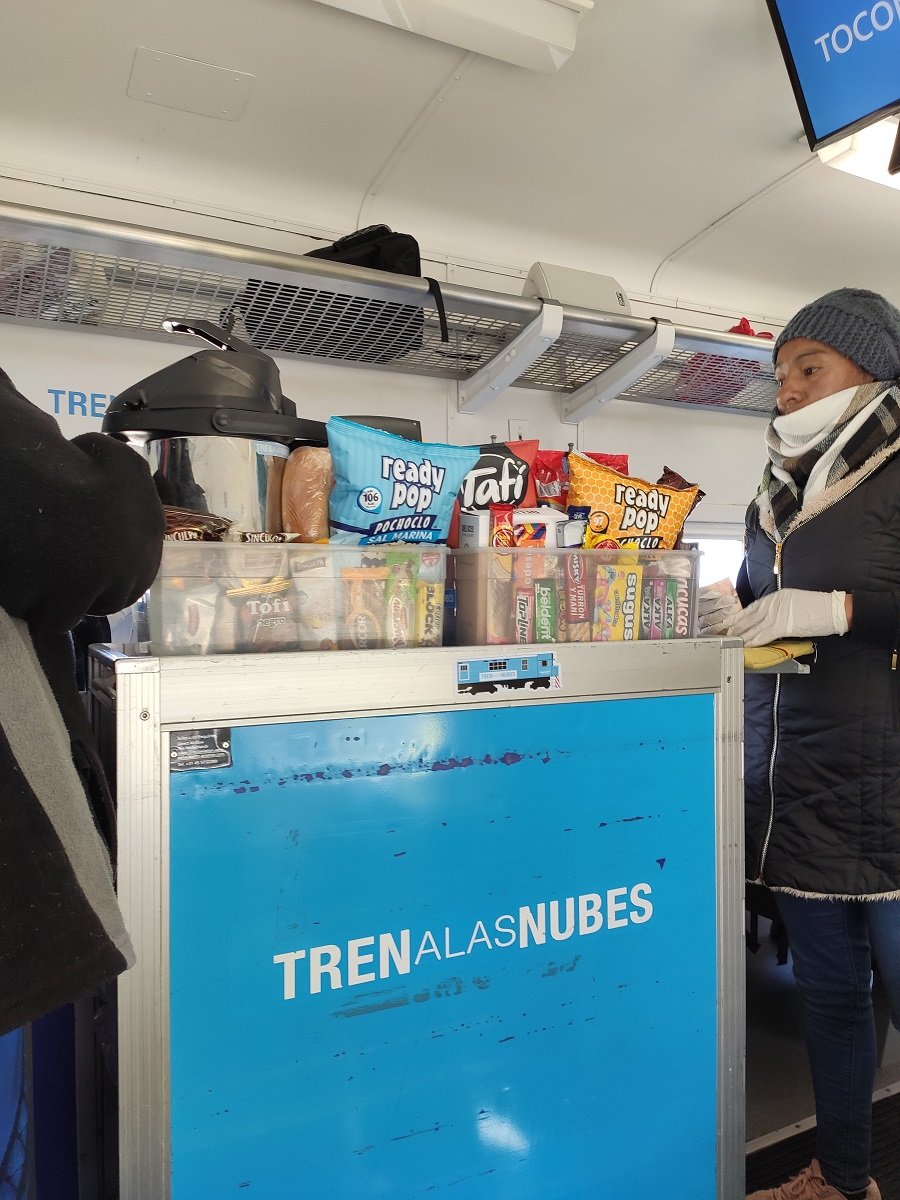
x,y
82,524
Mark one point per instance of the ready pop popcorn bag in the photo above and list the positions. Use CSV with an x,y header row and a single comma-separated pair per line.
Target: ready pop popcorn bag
x,y
625,511
390,489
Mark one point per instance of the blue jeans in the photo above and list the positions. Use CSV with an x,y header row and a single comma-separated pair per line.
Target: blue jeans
x,y
833,944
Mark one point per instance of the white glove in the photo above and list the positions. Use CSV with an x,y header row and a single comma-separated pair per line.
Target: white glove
x,y
717,606
792,612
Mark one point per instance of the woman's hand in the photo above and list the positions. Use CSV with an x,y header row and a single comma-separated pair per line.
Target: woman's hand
x,y
792,612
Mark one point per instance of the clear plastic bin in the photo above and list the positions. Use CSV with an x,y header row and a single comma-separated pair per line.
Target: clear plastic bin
x,y
234,598
508,596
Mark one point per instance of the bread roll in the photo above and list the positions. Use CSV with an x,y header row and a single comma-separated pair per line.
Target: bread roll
x,y
308,479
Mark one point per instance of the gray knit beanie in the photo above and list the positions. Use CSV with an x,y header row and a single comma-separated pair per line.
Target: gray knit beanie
x,y
861,325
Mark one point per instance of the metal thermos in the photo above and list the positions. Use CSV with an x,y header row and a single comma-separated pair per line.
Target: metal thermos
x,y
215,430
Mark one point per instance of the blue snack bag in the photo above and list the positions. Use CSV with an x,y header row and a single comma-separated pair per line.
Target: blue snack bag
x,y
389,489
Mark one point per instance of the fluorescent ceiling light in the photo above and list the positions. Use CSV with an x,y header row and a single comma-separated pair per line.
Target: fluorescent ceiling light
x,y
866,153
536,34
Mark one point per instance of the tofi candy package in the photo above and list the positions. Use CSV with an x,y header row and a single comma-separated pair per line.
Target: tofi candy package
x,y
262,615
390,489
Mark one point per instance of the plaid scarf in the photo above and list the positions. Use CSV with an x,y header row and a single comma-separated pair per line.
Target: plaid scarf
x,y
786,474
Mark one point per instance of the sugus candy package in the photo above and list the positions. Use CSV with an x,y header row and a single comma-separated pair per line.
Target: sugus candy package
x,y
626,511
617,602
390,489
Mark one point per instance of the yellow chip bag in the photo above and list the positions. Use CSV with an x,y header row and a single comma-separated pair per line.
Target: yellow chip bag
x,y
625,510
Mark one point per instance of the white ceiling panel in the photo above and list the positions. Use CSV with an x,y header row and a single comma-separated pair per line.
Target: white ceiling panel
x,y
667,152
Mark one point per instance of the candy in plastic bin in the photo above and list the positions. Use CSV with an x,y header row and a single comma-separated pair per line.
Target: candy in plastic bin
x,y
678,609
653,604
617,599
313,573
264,615
429,613
408,571
577,606
523,615
188,617
364,591
546,609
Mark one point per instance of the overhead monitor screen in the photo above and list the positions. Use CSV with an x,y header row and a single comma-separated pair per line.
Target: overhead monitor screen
x,y
844,62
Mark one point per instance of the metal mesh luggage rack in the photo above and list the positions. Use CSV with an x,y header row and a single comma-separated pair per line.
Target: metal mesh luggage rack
x,y
115,278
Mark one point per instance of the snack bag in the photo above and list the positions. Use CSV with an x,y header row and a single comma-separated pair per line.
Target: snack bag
x,y
672,479
551,473
551,478
626,510
503,474
389,489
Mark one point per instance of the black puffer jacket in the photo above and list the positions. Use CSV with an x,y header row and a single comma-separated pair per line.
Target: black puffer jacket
x,y
822,755
81,532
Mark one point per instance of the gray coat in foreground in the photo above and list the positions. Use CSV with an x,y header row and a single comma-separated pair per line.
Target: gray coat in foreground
x,y
822,753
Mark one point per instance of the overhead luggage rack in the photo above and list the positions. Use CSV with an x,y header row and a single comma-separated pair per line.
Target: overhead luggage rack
x,y
96,274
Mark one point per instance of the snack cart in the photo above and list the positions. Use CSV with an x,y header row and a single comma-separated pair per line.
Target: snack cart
x,y
460,921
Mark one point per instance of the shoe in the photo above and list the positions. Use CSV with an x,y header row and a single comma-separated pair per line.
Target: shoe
x,y
809,1185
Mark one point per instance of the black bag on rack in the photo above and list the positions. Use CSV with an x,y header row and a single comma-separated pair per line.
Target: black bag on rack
x,y
281,317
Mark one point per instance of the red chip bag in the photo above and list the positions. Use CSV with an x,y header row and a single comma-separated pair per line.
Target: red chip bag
x,y
618,462
551,472
714,378
551,479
